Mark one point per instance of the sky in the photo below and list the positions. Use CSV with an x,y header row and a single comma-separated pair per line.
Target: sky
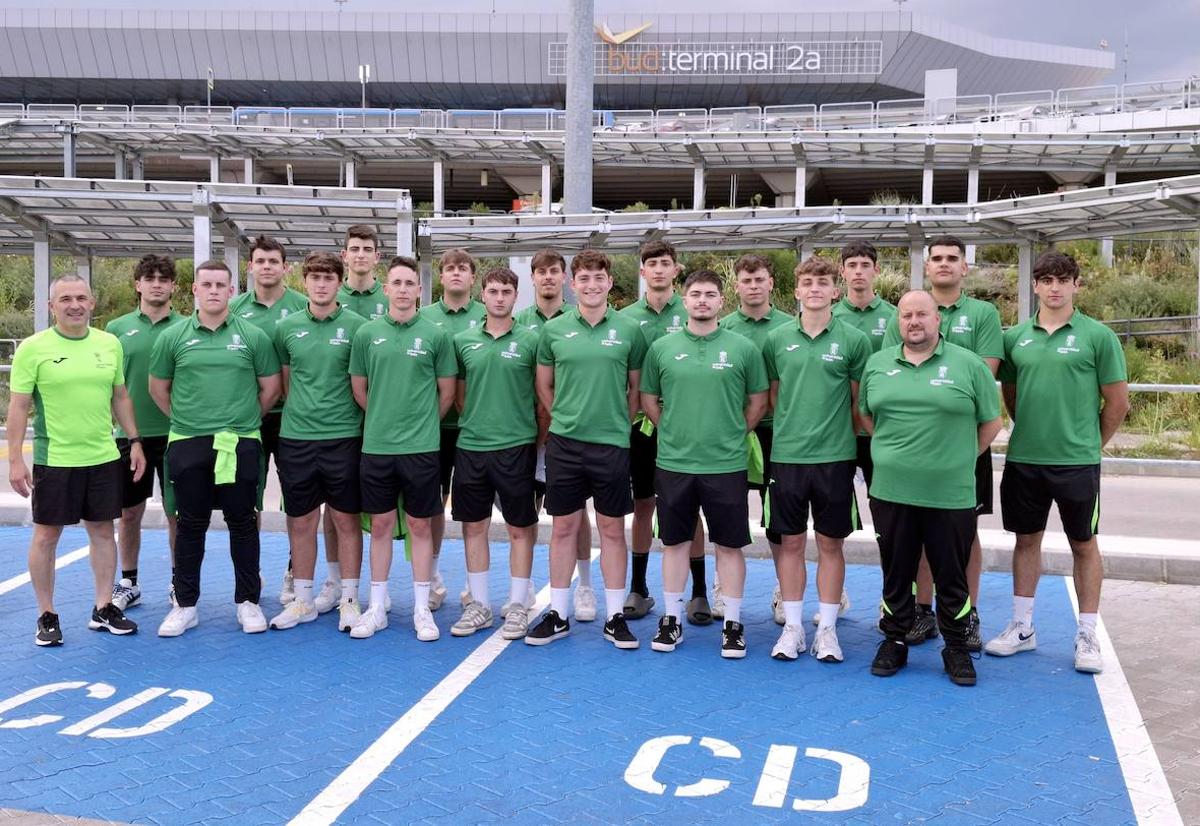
x,y
1164,36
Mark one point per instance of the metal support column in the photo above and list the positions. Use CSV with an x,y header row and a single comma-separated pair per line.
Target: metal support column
x,y
698,195
801,186
83,268
350,179
41,281
405,227
972,198
69,151
439,189
547,188
581,81
231,254
137,168
247,170
1106,244
201,227
927,185
214,169
1024,280
120,166
916,265
805,251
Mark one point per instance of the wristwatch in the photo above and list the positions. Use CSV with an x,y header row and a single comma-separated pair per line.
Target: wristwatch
x,y
135,440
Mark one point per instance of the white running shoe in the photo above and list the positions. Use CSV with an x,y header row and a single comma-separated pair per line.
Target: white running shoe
x,y
475,617
791,643
825,645
843,607
437,593
584,604
178,620
1015,638
427,630
777,607
294,613
516,623
1088,658
251,617
387,604
370,621
328,597
717,603
126,595
348,613
287,592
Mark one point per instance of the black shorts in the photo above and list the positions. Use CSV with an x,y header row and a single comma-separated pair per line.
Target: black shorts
x,y
447,454
863,459
315,472
64,495
384,478
577,470
722,497
482,475
766,437
135,493
983,483
643,456
827,489
269,431
1026,492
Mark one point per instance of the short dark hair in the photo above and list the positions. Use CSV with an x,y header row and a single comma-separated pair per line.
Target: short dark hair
x,y
703,277
592,260
656,249
363,233
404,261
214,264
751,262
1053,262
547,258
323,262
502,275
816,265
458,255
947,241
860,249
151,263
267,244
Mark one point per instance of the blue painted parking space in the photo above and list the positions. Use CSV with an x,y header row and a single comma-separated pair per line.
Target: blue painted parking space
x,y
218,725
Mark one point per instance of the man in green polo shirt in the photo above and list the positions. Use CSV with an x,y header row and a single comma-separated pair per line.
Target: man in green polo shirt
x,y
814,364
589,360
362,293
403,373
497,451
455,312
320,441
215,374
154,283
702,456
1058,366
975,325
70,377
932,408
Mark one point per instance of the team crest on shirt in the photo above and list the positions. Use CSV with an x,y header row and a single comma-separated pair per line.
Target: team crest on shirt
x,y
236,344
283,313
880,327
612,340
674,326
722,361
941,377
378,312
1069,346
339,337
417,349
833,354
511,352
473,322
963,325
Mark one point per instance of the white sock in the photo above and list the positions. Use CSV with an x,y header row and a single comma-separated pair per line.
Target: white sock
x,y
829,611
673,604
518,588
583,568
421,595
614,601
350,589
436,574
793,611
477,584
379,594
1088,622
1023,610
733,609
560,600
304,590
332,574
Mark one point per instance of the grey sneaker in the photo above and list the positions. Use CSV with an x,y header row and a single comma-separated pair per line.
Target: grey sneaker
x,y
475,617
516,623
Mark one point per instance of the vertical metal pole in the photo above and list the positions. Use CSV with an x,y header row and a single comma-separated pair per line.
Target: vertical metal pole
x,y
806,251
120,167
41,281
698,194
247,170
404,226
1024,280
972,198
801,186
926,185
69,152
351,176
214,169
916,265
231,254
581,80
547,189
137,169
1197,355
439,189
201,227
83,267
1106,244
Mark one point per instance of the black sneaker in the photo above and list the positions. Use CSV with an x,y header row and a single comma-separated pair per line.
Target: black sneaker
x,y
924,627
551,627
974,641
957,662
49,632
111,619
670,634
733,640
617,632
890,658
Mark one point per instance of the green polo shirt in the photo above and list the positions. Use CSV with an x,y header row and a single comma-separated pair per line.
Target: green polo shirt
x,y
402,363
500,409
872,319
71,381
703,382
926,424
247,307
591,374
757,330
1058,377
214,374
137,334
319,404
454,322
370,303
813,404
533,318
968,322
656,324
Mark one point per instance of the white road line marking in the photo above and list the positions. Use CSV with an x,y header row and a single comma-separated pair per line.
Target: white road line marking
x,y
346,788
1151,797
12,583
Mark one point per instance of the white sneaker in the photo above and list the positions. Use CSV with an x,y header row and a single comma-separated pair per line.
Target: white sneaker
x,y
791,643
294,613
825,645
843,607
251,617
348,614
437,593
126,595
464,597
777,607
177,621
1015,638
387,604
328,597
717,603
370,621
1088,658
287,592
427,630
584,603
475,617
516,623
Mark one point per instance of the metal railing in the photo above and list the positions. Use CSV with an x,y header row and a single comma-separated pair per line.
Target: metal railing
x,y
1173,325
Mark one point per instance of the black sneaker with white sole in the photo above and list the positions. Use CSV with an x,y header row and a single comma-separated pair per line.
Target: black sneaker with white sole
x,y
616,631
669,635
890,658
49,632
111,619
957,662
550,628
733,640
